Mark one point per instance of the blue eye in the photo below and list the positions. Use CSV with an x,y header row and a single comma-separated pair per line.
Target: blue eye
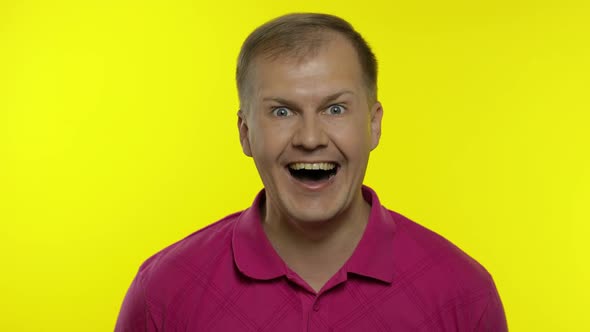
x,y
281,112
335,110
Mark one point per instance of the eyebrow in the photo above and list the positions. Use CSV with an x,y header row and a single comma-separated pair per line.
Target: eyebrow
x,y
326,100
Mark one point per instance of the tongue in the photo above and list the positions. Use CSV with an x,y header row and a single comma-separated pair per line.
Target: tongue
x,y
312,181
312,178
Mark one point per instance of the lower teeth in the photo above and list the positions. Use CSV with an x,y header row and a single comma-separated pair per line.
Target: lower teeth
x,y
312,176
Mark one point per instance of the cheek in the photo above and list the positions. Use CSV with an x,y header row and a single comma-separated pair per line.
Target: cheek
x,y
351,136
269,139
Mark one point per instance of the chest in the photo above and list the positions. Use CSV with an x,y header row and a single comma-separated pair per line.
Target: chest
x,y
282,306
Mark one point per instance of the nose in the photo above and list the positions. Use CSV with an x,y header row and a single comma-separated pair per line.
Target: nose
x,y
310,133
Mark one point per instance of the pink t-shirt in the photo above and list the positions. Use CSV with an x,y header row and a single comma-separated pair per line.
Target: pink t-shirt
x,y
228,277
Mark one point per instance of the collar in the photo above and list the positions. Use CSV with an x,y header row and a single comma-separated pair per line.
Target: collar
x,y
373,257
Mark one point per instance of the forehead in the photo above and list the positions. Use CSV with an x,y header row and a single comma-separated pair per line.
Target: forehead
x,y
334,65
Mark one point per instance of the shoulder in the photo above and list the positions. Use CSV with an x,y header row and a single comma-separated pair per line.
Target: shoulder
x,y
423,246
447,283
188,258
178,272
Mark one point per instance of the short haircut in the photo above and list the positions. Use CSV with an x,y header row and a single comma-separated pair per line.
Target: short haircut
x,y
299,35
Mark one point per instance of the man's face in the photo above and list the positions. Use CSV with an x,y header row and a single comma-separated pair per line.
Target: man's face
x,y
310,130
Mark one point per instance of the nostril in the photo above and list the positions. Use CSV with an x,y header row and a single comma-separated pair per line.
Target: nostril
x,y
310,136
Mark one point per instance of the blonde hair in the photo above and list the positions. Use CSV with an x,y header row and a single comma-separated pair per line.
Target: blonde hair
x,y
300,35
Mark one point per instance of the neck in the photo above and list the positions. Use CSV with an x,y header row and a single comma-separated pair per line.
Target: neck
x,y
316,250
319,232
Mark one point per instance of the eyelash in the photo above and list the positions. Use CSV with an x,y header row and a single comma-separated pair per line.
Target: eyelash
x,y
342,108
274,110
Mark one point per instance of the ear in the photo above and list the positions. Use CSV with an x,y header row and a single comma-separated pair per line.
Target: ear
x,y
376,117
243,130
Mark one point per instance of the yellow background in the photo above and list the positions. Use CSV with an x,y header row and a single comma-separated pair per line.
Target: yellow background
x,y
118,137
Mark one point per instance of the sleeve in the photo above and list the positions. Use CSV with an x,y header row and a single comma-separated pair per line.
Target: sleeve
x,y
493,318
134,314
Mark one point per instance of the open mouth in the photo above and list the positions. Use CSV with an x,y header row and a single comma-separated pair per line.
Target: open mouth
x,y
313,173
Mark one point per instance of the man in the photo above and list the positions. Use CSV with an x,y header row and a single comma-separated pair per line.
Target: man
x,y
316,251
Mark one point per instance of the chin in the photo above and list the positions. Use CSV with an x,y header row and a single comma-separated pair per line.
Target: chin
x,y
319,213
313,218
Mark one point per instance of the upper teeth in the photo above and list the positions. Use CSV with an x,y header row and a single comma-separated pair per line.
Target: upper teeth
x,y
322,166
